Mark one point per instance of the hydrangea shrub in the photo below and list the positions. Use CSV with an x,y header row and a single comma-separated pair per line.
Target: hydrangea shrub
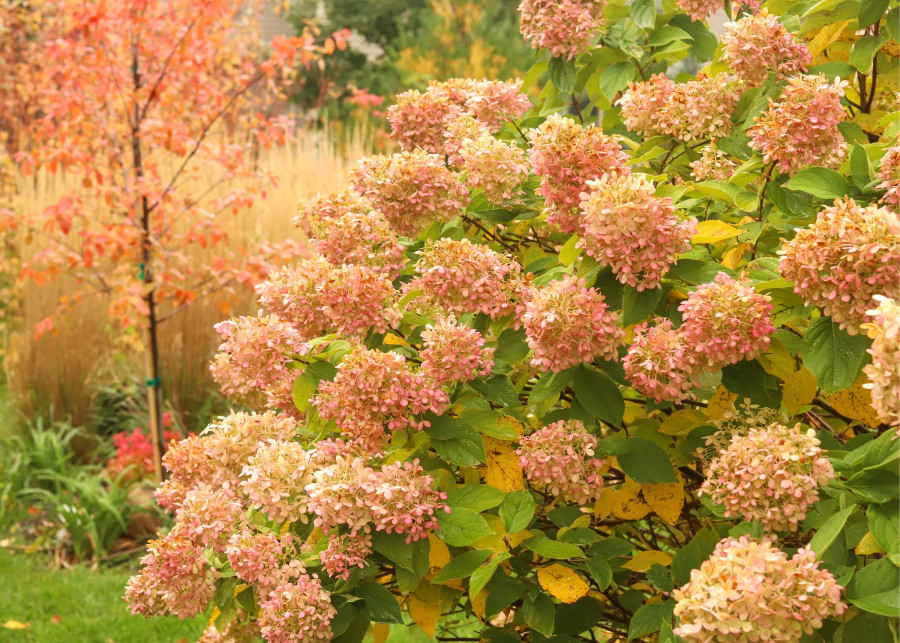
x,y
616,363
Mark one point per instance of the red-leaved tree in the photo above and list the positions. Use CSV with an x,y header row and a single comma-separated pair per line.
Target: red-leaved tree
x,y
159,106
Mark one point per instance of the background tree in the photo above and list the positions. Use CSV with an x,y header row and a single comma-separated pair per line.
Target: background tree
x,y
143,99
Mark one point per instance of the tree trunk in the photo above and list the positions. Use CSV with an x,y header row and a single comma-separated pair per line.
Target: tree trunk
x,y
151,324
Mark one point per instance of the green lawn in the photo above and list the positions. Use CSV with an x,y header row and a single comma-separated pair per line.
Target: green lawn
x,y
88,603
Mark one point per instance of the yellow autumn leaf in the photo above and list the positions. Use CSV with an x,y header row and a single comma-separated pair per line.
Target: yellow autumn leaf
x,y
713,231
666,500
855,403
216,613
799,390
479,603
732,258
501,468
720,403
394,340
438,556
16,625
563,583
642,561
380,632
819,39
626,505
778,361
868,546
682,422
425,615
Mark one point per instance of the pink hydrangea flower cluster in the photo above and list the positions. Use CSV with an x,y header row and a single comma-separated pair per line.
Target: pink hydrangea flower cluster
x,y
660,364
884,371
565,28
207,516
703,9
175,579
713,165
566,155
561,457
291,293
889,173
772,474
419,119
567,323
264,559
750,591
699,109
459,130
328,206
626,227
358,238
297,612
494,167
757,45
274,480
454,352
402,501
726,321
696,110
356,299
374,391
189,462
800,128
337,496
411,189
464,277
344,553
255,352
642,104
840,262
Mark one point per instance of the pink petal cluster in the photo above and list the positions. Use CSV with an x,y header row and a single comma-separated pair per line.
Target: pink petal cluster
x,y
494,167
257,557
771,474
703,9
884,371
291,293
566,155
642,104
750,591
337,495
800,128
567,323
329,206
356,299
561,458
699,109
411,189
624,226
420,119
565,28
840,262
756,45
693,111
255,352
459,130
344,553
208,516
660,364
402,500
189,462
464,277
454,352
713,165
274,480
297,612
376,391
726,321
358,238
175,579
889,173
